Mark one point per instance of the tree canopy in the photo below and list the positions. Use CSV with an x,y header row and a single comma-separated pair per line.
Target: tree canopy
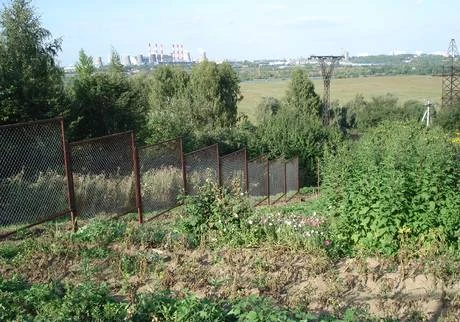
x,y
31,84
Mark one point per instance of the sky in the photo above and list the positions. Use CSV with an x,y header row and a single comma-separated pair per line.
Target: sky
x,y
250,29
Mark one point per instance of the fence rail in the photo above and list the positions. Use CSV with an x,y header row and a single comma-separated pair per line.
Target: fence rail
x,y
42,177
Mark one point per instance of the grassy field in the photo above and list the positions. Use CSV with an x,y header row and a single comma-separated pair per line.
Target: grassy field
x,y
345,89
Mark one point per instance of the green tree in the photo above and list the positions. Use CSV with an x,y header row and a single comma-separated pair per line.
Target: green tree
x,y
85,65
31,85
104,102
215,93
301,94
170,104
267,107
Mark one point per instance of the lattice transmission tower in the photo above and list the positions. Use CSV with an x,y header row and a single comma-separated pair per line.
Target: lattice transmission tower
x,y
327,64
451,76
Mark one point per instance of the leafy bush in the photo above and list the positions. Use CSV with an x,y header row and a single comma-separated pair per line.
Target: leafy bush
x,y
21,301
215,211
400,181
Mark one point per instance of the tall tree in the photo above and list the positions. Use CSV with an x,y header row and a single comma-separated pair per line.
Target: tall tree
x,y
31,85
215,92
301,94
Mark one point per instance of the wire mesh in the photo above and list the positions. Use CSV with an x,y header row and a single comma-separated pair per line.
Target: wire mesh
x,y
33,183
233,170
103,175
161,176
277,179
201,165
258,179
292,177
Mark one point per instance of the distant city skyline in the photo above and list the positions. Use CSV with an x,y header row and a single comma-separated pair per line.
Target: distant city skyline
x,y
237,30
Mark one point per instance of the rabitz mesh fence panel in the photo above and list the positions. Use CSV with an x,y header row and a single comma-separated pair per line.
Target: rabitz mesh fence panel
x,y
233,170
258,179
160,167
292,177
33,182
276,180
103,175
201,165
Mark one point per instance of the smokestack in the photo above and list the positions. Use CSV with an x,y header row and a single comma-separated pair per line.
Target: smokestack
x,y
161,52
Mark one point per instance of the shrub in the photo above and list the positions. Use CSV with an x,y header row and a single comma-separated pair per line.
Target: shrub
x,y
399,180
215,212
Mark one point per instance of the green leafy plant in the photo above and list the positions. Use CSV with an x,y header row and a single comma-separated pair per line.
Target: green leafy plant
x,y
400,178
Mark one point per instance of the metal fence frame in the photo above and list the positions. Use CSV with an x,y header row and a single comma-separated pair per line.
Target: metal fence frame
x,y
133,165
182,169
244,168
266,174
188,190
255,173
68,182
294,160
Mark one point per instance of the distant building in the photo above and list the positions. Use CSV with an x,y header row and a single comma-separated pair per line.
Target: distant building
x,y
126,60
98,62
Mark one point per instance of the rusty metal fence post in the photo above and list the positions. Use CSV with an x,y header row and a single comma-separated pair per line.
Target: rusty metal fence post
x,y
267,182
246,171
219,167
137,178
182,160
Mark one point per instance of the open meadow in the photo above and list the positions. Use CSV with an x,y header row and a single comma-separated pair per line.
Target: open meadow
x,y
345,89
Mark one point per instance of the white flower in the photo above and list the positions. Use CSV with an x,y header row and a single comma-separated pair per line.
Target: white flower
x,y
250,222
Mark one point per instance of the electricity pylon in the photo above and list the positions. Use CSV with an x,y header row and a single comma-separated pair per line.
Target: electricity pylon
x,y
327,64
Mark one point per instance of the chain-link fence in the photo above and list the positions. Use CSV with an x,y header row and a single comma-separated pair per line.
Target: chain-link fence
x,y
103,175
161,173
233,170
277,180
292,178
258,189
33,181
109,176
201,165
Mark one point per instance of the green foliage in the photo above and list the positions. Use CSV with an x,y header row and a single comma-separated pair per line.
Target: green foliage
x,y
267,107
399,181
57,302
290,134
215,92
216,212
31,84
301,95
449,117
100,231
364,114
103,102
190,104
